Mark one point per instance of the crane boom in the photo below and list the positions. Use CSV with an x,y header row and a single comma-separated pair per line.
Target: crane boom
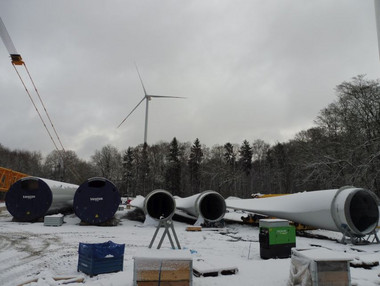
x,y
15,56
8,177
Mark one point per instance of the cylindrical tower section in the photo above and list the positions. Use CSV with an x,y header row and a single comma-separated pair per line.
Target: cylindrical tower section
x,y
31,198
160,205
209,205
96,201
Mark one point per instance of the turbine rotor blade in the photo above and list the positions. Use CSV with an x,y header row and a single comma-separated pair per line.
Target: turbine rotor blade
x,y
164,96
131,112
141,80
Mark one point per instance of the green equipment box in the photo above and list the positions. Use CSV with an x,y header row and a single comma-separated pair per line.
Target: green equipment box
x,y
276,238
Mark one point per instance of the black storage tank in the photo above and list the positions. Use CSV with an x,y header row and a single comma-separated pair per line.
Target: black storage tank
x,y
96,201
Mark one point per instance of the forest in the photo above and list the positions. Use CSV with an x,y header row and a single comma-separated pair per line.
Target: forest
x,y
342,148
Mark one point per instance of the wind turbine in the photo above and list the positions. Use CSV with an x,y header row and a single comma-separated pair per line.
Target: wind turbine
x,y
146,97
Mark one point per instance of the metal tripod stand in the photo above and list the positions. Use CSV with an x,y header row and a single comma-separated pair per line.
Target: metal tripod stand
x,y
167,224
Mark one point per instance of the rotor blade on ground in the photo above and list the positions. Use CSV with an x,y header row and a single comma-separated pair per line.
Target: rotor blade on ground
x,y
131,112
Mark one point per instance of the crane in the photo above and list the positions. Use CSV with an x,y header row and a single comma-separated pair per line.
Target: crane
x,y
17,60
15,56
8,177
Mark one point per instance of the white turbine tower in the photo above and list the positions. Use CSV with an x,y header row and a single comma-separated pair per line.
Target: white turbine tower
x,y
146,97
377,15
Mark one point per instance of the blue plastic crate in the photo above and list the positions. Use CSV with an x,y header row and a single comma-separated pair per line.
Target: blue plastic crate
x,y
94,266
97,258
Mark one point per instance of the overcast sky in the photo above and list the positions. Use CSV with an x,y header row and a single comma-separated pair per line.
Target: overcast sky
x,y
249,69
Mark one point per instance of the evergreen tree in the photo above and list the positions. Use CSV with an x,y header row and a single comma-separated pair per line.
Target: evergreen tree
x,y
279,158
232,173
128,174
173,171
194,163
229,154
145,170
245,160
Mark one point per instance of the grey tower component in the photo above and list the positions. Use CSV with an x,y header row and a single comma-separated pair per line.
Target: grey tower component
x,y
32,198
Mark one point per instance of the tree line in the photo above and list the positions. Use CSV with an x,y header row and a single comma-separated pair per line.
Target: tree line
x,y
343,148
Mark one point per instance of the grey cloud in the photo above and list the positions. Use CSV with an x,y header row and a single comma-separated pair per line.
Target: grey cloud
x,y
249,69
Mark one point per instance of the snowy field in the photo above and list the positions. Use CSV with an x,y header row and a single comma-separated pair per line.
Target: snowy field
x,y
32,251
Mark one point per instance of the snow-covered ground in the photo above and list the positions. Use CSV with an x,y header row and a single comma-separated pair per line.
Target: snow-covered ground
x,y
30,251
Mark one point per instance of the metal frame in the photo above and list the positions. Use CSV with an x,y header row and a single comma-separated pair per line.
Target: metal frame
x,y
368,239
166,224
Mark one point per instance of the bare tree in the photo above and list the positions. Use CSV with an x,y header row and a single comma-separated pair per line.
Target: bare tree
x,y
108,163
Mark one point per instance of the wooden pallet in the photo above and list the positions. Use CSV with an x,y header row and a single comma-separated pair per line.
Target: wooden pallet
x,y
163,268
193,228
